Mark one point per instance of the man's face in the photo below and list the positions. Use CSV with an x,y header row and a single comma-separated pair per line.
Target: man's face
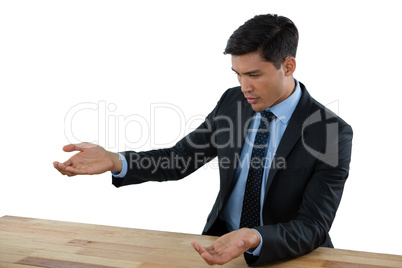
x,y
261,83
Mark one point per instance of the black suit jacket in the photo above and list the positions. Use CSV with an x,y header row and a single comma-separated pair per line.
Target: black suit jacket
x,y
304,186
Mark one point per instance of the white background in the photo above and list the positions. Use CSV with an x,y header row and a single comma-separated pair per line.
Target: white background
x,y
121,72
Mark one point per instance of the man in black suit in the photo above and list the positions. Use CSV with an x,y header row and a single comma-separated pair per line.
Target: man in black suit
x,y
283,157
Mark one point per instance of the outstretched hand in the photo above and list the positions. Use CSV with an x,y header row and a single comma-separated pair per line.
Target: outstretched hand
x,y
91,159
228,246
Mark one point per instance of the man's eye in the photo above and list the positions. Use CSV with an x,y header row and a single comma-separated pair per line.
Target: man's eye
x,y
254,75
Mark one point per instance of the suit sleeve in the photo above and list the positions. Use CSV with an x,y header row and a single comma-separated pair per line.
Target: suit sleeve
x,y
309,229
186,156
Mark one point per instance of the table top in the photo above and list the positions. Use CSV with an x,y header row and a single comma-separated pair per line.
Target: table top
x,y
28,242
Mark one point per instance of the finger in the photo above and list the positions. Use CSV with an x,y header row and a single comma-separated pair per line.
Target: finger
x,y
65,170
220,253
62,171
61,166
195,246
211,249
198,247
212,259
220,258
206,253
55,165
67,163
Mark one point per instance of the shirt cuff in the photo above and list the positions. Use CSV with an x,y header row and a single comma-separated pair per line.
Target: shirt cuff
x,y
123,171
256,251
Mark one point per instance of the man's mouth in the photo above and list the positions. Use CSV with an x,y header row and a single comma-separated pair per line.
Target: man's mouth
x,y
252,100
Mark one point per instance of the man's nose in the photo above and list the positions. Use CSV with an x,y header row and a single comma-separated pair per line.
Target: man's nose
x,y
245,85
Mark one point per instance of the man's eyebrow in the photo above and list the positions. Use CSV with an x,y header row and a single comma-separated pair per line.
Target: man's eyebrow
x,y
249,72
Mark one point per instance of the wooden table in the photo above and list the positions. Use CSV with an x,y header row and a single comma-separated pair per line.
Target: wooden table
x,y
26,242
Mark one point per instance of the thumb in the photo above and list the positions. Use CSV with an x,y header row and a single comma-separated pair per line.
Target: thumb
x,y
241,243
78,147
70,148
245,244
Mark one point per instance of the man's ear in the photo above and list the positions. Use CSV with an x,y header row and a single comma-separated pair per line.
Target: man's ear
x,y
289,66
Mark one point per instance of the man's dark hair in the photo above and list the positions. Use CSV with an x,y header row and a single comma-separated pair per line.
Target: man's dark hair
x,y
274,37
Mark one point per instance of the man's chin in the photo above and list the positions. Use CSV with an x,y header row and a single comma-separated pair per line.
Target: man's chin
x,y
258,108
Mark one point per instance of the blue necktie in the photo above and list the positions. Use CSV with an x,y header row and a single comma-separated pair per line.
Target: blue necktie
x,y
250,215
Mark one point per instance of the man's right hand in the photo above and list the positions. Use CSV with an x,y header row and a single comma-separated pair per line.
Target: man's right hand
x,y
91,159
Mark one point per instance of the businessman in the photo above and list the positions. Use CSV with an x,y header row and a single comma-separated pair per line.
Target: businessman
x,y
283,157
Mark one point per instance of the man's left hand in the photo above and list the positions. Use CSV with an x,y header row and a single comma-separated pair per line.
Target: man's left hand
x,y
228,246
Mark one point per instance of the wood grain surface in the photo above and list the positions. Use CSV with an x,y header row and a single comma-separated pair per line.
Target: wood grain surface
x,y
28,242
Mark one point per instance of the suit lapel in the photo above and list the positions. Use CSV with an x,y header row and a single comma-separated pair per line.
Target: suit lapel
x,y
291,135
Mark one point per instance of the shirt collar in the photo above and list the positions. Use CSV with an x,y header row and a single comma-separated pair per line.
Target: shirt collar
x,y
284,110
